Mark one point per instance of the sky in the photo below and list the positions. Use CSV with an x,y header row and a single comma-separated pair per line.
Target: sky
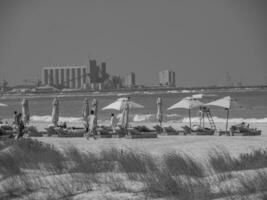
x,y
201,41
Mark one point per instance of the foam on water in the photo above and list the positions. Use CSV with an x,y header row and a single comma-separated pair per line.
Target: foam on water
x,y
143,118
152,118
230,120
48,118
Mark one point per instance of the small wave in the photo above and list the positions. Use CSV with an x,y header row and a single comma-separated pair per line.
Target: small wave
x,y
48,118
173,115
173,91
149,92
142,118
186,91
230,120
123,94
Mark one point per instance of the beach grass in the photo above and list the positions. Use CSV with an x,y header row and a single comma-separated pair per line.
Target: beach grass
x,y
30,169
222,161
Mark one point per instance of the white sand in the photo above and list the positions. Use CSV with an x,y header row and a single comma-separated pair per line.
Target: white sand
x,y
198,146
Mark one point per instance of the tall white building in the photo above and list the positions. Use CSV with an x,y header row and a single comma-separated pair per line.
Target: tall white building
x,y
167,78
75,76
65,76
129,80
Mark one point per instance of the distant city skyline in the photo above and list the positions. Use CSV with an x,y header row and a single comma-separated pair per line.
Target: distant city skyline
x,y
203,42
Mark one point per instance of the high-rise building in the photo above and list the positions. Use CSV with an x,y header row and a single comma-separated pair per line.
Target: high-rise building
x,y
75,76
167,78
129,80
93,71
65,76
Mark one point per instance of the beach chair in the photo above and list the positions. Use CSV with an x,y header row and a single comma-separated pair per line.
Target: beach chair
x,y
70,132
199,131
244,130
33,132
141,132
158,129
170,131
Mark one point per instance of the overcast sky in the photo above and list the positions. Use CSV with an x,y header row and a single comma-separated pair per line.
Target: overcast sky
x,y
200,40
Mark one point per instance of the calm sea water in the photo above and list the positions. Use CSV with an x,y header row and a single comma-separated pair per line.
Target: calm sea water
x,y
254,106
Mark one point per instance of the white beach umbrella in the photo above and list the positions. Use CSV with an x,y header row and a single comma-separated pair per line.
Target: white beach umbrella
x,y
3,105
120,103
95,108
187,103
25,111
159,111
85,111
55,111
227,103
125,105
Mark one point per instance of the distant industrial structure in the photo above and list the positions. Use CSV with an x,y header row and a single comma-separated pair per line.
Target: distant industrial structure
x,y
3,86
76,77
167,78
91,77
129,80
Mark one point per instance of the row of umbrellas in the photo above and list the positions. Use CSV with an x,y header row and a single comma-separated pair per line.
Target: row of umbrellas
x,y
191,102
186,103
125,104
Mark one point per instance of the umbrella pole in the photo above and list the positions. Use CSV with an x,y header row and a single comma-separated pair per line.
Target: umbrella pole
x,y
227,120
203,119
189,112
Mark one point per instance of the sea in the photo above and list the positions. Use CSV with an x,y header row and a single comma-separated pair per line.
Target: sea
x,y
251,105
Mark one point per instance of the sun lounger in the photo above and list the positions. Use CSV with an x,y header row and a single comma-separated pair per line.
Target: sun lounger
x,y
171,131
70,132
199,131
134,133
33,132
6,134
158,129
244,131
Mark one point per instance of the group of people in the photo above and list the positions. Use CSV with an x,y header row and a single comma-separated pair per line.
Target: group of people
x,y
19,124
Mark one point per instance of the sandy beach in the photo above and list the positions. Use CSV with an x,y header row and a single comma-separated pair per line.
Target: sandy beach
x,y
197,146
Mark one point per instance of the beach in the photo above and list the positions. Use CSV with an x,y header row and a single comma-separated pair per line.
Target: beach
x,y
198,146
166,167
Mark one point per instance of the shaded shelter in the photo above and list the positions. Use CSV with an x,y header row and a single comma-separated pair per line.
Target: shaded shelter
x,y
3,105
187,103
227,103
124,105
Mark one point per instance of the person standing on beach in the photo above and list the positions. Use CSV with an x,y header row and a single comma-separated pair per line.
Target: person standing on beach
x,y
92,125
20,126
112,122
16,119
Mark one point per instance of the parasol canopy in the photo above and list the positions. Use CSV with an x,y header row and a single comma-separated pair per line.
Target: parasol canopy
x,y
3,105
120,103
187,103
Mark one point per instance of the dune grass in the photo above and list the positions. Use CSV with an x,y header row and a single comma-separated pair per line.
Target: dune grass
x,y
29,167
222,161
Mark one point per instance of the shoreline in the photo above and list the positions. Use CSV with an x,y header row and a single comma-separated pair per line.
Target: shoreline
x,y
148,91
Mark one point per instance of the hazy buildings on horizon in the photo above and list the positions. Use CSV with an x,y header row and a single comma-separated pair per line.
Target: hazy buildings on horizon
x,y
129,80
75,77
167,78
